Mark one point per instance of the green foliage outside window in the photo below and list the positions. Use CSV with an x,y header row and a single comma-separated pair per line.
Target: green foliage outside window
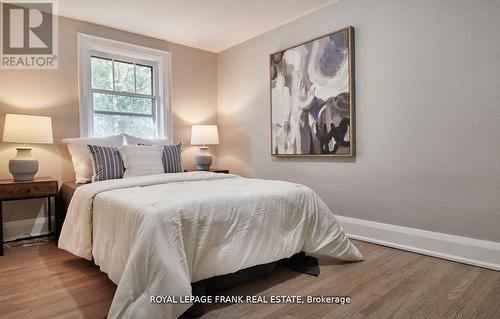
x,y
130,106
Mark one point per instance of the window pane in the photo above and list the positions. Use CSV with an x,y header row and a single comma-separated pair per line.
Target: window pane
x,y
110,124
124,77
144,76
117,103
102,73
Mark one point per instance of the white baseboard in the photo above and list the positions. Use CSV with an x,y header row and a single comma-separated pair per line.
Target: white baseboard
x,y
466,250
25,228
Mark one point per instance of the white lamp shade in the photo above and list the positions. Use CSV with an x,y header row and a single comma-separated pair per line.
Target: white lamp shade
x,y
27,129
204,135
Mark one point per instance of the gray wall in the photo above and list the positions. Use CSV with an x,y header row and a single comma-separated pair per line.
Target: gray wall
x,y
55,93
428,114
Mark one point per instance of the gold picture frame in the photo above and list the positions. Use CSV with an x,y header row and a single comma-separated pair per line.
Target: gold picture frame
x,y
334,52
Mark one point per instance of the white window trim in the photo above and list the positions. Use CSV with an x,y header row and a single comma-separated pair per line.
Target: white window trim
x,y
88,45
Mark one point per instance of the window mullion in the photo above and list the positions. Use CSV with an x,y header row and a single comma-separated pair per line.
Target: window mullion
x,y
123,113
135,80
113,61
124,94
153,109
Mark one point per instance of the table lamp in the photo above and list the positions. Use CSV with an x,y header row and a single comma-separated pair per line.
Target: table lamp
x,y
204,135
26,129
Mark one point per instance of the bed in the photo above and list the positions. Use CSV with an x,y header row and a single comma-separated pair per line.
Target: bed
x,y
209,286
155,235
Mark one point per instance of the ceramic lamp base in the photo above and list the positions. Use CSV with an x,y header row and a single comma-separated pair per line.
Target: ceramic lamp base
x,y
203,160
23,167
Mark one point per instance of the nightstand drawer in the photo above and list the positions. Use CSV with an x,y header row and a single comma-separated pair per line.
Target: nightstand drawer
x,y
28,190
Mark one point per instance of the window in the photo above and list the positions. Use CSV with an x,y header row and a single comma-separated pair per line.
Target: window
x,y
122,98
123,89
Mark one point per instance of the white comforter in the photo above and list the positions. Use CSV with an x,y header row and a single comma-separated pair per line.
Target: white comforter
x,y
155,235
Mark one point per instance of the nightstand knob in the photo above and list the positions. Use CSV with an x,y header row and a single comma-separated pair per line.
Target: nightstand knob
x,y
28,190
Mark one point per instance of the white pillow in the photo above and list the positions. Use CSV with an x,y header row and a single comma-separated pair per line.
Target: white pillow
x,y
131,140
80,154
140,160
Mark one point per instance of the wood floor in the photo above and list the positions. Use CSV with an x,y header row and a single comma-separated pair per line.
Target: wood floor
x,y
45,282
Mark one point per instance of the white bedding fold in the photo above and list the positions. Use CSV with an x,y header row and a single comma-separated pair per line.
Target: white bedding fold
x,y
155,235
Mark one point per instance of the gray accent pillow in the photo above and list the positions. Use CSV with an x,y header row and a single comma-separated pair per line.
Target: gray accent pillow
x,y
107,163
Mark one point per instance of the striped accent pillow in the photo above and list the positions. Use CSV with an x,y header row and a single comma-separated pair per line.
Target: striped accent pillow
x,y
107,163
172,158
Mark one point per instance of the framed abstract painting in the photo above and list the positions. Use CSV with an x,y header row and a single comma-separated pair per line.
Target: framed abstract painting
x,y
313,98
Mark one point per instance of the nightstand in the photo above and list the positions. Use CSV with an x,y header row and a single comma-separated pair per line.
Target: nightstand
x,y
41,187
213,170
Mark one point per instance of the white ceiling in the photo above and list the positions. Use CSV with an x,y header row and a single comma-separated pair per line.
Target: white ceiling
x,y
212,25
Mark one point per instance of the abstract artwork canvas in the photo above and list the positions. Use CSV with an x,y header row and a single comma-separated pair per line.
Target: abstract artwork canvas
x,y
312,97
